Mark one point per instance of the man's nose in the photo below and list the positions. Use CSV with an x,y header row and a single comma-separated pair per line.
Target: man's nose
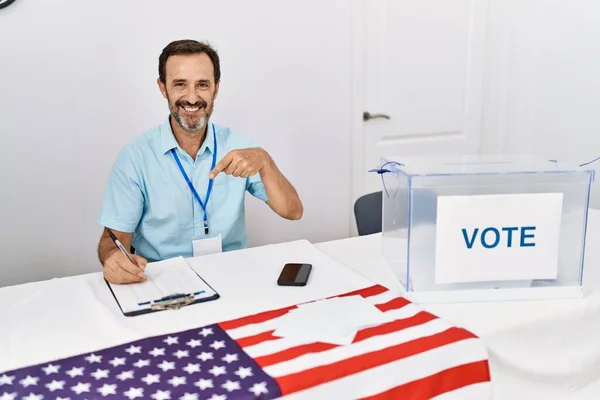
x,y
191,95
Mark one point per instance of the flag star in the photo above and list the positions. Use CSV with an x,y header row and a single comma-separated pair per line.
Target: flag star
x,y
244,372
162,395
63,398
204,384
191,368
33,396
218,344
206,331
216,371
100,373
6,380
125,375
115,362
157,352
51,369
259,388
181,353
142,363
81,387
134,349
8,396
189,396
150,379
132,393
177,380
92,358
229,358
205,356
218,397
73,372
107,389
29,381
230,386
194,343
165,366
171,340
55,385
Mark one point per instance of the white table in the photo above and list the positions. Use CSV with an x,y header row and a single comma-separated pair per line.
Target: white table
x,y
538,349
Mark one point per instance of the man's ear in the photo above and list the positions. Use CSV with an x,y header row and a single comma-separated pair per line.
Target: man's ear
x,y
162,87
216,90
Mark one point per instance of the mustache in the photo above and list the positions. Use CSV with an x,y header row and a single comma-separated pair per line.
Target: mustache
x,y
184,103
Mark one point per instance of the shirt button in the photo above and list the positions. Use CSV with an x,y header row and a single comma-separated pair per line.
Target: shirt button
x,y
198,226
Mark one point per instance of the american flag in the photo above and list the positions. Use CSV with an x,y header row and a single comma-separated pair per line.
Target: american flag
x,y
416,356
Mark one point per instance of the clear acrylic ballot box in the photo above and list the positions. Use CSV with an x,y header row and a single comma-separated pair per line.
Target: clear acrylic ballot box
x,y
479,228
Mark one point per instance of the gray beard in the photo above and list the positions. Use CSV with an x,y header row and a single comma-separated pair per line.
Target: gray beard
x,y
193,128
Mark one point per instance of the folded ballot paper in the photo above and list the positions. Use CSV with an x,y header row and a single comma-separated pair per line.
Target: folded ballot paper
x,y
167,282
335,320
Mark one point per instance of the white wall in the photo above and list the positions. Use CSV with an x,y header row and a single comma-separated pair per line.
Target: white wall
x,y
544,74
77,81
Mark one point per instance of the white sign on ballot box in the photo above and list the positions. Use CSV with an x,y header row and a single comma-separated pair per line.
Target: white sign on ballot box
x,y
497,237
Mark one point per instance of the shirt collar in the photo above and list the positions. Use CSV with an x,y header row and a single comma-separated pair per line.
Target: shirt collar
x,y
168,142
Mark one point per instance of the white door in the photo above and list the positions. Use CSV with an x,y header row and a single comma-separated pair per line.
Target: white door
x,y
420,72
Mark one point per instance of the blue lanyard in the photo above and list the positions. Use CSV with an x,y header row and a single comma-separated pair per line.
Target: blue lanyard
x,y
210,181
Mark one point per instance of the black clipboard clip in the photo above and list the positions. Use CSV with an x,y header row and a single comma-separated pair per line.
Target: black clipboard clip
x,y
172,302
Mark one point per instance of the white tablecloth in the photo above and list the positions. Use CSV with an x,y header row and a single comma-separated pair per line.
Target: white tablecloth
x,y
548,349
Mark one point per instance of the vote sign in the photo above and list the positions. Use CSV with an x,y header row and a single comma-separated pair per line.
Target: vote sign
x,y
497,237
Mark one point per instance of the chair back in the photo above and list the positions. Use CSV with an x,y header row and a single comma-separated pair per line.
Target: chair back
x,y
367,212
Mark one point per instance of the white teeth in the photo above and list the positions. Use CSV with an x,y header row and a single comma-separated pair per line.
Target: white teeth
x,y
191,109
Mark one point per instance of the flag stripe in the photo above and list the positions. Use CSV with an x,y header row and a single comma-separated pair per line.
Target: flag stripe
x,y
254,319
380,298
393,304
257,339
306,378
394,326
437,384
341,353
366,292
297,351
371,381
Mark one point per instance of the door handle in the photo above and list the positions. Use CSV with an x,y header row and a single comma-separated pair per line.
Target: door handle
x,y
367,116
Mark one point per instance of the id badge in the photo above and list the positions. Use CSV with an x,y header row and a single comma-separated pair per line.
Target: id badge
x,y
206,246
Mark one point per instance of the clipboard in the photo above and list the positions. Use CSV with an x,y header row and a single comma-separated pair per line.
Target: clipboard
x,y
171,284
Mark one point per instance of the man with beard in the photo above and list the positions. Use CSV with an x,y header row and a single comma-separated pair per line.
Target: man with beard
x,y
179,188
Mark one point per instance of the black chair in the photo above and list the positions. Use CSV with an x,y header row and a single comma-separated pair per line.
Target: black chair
x,y
367,212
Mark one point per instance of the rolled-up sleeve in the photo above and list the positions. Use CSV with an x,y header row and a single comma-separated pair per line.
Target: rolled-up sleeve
x,y
123,201
256,187
254,184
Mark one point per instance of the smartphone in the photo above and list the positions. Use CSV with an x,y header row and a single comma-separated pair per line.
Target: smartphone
x,y
294,275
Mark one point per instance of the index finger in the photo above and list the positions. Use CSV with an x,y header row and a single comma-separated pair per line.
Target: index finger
x,y
221,165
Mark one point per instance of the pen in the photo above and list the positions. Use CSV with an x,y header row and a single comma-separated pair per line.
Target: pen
x,y
120,246
172,297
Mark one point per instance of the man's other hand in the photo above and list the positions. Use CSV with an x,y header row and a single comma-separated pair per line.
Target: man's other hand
x,y
241,163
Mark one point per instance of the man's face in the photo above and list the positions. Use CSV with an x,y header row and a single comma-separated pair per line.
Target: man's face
x,y
190,90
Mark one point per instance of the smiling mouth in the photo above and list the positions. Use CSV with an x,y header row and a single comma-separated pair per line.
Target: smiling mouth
x,y
190,109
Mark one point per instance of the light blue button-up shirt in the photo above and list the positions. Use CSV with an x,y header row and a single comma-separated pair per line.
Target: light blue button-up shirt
x,y
147,194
